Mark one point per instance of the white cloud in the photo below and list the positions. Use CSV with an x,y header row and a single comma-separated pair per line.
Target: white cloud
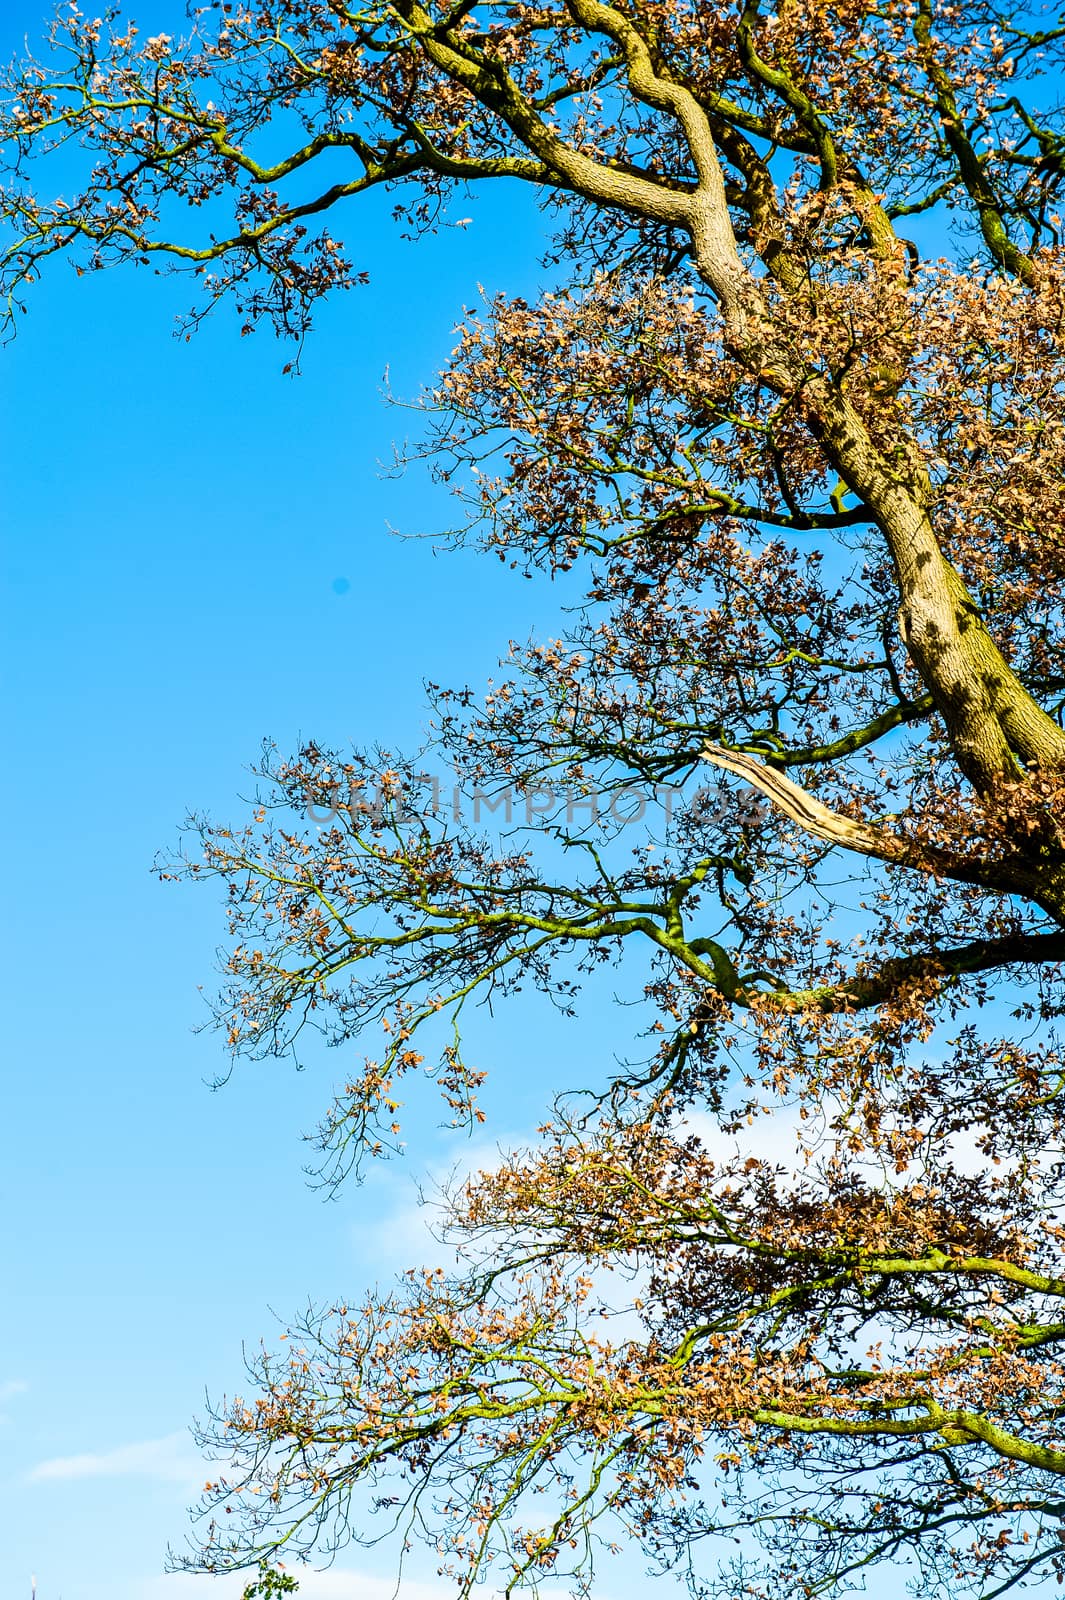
x,y
783,1139
405,1231
401,1235
775,1139
170,1460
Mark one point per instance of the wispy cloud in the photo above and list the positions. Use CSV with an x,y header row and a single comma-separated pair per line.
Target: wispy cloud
x,y
408,1226
169,1460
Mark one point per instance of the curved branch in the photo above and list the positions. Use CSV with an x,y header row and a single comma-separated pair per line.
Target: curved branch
x,y
1011,876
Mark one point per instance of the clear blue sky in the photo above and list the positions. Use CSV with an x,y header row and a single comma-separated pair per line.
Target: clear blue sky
x,y
196,555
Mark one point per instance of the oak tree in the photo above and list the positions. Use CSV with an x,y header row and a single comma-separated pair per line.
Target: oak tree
x,y
794,402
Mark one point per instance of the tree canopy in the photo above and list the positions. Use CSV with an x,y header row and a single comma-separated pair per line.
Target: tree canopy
x,y
794,402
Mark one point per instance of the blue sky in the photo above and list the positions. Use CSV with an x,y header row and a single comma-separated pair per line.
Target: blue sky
x,y
196,554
